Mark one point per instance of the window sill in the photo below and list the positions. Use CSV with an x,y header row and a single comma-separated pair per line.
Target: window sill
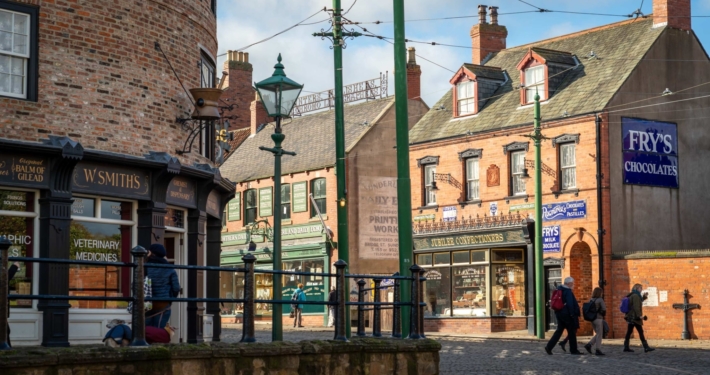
x,y
574,191
514,197
286,221
315,218
475,201
434,207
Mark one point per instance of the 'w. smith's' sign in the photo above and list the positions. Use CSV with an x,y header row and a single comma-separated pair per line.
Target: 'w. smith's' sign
x,y
650,152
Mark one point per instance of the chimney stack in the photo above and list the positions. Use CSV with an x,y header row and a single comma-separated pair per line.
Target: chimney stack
x,y
258,113
414,73
672,13
487,38
237,88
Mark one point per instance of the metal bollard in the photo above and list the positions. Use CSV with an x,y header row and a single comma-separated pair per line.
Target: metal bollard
x,y
248,314
396,311
4,304
139,254
414,321
360,308
340,310
377,309
422,279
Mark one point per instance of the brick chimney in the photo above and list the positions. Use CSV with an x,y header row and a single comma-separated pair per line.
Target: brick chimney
x,y
487,38
258,113
238,88
414,74
672,13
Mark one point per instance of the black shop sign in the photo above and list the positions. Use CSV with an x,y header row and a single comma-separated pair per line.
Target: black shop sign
x,y
22,170
111,180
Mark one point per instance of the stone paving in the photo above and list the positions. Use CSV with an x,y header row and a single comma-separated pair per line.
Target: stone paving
x,y
467,355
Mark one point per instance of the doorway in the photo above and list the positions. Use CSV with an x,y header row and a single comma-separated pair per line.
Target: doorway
x,y
553,278
175,254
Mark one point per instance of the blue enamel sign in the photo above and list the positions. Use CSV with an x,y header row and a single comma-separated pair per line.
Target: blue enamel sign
x,y
650,151
551,239
564,210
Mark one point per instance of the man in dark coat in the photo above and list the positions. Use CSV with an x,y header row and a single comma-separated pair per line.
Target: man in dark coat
x,y
567,318
10,274
165,283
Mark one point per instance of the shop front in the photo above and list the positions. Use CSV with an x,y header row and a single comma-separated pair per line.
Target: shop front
x,y
58,200
304,249
478,280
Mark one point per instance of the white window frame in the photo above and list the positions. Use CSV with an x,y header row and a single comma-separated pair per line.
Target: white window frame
x,y
568,169
472,179
25,57
531,86
429,193
516,172
468,100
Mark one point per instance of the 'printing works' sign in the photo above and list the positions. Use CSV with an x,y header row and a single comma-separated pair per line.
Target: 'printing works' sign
x,y
650,152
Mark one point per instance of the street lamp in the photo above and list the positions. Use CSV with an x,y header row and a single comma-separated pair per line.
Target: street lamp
x,y
278,94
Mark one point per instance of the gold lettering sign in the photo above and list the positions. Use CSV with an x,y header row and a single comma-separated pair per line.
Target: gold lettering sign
x,y
181,192
23,170
468,240
99,178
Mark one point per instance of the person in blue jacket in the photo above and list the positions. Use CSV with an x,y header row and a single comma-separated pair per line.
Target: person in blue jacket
x,y
299,296
165,283
567,318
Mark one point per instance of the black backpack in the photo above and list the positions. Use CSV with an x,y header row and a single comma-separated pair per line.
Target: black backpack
x,y
589,310
294,297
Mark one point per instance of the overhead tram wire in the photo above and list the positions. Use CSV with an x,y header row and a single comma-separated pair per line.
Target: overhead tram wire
x,y
283,31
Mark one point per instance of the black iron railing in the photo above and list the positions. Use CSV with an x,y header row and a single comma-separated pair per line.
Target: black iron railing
x,y
138,298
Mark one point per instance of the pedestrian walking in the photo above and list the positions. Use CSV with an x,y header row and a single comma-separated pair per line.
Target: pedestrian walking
x,y
598,323
11,271
635,318
165,284
298,296
567,319
332,300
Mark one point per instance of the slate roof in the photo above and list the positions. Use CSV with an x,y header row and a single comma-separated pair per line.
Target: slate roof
x,y
586,88
553,56
482,71
311,137
238,136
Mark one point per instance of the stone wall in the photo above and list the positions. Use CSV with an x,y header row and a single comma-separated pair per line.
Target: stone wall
x,y
360,356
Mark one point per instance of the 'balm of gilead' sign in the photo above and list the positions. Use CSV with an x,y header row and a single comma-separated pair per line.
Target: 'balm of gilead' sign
x,y
650,152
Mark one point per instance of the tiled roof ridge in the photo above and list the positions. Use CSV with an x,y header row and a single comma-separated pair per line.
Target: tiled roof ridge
x,y
491,67
550,50
577,33
330,110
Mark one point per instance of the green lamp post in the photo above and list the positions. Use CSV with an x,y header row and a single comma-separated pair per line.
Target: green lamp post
x,y
278,94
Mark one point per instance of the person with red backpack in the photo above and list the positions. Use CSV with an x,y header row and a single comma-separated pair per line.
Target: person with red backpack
x,y
633,304
567,312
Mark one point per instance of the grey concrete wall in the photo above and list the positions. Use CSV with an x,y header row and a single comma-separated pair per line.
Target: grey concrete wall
x,y
375,155
656,218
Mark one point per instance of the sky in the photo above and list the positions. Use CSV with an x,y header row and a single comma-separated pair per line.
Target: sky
x,y
309,60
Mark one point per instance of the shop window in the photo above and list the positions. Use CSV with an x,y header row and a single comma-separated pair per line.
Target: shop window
x,y
319,196
442,259
437,291
19,230
479,256
508,256
106,237
231,287
508,292
469,291
424,260
313,286
472,190
568,166
285,202
460,257
249,206
429,186
517,166
264,289
18,51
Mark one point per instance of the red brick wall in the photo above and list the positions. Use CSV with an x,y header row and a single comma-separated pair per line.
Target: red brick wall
x,y
485,39
475,326
101,81
580,264
238,89
676,13
668,274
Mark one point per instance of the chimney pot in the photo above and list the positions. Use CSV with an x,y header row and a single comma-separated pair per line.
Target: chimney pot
x,y
412,56
482,14
494,15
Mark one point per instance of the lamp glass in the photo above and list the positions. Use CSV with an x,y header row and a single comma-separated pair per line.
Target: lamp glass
x,y
278,93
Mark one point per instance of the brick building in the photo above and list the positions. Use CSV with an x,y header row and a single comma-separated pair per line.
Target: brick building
x,y
371,195
622,175
91,160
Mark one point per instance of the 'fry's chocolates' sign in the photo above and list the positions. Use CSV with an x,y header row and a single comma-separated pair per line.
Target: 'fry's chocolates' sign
x,y
650,151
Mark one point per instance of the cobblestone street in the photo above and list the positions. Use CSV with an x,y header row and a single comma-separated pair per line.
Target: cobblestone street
x,y
460,356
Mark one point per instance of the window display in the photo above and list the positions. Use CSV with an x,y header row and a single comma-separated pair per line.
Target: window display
x,y
469,294
313,286
20,231
437,291
509,290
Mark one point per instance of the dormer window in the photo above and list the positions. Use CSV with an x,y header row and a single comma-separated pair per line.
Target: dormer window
x,y
542,71
473,85
465,97
535,83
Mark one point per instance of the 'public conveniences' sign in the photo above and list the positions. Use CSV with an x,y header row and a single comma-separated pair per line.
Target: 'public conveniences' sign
x,y
564,210
650,152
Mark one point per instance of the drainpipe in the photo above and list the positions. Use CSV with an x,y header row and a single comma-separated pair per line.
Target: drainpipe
x,y
600,222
